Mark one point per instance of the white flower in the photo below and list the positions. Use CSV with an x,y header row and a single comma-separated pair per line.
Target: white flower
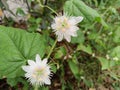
x,y
66,26
13,6
38,72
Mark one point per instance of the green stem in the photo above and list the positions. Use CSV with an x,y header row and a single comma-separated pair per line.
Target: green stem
x,y
52,49
47,7
36,87
51,9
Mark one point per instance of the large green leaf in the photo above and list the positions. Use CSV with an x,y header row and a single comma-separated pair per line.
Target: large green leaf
x,y
78,7
16,47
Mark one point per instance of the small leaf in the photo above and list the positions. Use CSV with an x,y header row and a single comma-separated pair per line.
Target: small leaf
x,y
106,64
74,68
116,37
61,52
115,52
86,49
54,68
79,39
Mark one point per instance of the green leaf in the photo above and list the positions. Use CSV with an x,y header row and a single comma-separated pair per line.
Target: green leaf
x,y
106,64
79,39
74,67
54,68
93,35
16,47
88,83
84,48
116,4
116,52
12,81
43,88
60,53
78,7
116,37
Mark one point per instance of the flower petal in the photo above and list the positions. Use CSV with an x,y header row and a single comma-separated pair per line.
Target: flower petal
x,y
31,62
53,26
27,75
26,68
79,19
44,61
38,59
68,38
75,20
60,36
47,81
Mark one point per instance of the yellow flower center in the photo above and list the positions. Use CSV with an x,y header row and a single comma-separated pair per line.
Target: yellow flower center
x,y
38,72
63,24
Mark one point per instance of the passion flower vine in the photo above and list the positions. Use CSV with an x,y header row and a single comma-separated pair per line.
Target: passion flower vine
x,y
38,72
66,26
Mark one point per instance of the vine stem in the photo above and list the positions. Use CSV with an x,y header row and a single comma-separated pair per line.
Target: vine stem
x,y
52,48
51,9
47,7
56,14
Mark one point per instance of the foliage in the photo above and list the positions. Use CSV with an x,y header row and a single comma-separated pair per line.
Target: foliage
x,y
86,63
